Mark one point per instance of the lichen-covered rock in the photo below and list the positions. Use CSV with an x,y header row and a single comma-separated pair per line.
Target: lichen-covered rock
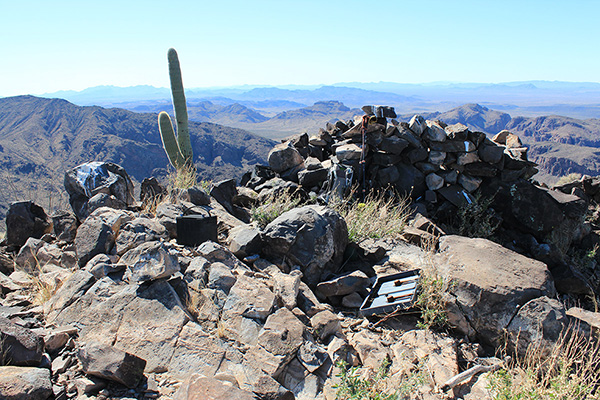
x,y
539,322
149,261
87,180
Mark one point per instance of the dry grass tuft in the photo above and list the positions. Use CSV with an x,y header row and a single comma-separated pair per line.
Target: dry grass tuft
x,y
378,217
570,178
272,207
183,178
570,371
432,287
43,289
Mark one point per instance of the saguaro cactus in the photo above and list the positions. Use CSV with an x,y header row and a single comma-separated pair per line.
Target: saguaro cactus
x,y
178,148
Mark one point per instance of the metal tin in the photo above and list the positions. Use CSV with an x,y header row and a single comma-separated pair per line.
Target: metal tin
x,y
391,292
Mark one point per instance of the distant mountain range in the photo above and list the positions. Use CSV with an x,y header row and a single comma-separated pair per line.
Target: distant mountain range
x,y
530,98
42,138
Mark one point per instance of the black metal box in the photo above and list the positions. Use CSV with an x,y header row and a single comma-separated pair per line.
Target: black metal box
x,y
193,230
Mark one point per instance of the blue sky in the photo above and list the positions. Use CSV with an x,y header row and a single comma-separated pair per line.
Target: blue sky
x,y
71,45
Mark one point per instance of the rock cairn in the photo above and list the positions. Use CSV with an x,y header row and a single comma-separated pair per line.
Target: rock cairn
x,y
430,160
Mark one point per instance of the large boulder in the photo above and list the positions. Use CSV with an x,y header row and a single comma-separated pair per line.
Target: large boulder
x,y
283,157
144,320
26,219
312,237
489,284
98,178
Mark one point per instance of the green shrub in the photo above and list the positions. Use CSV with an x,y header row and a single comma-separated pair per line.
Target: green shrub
x,y
430,299
477,219
355,387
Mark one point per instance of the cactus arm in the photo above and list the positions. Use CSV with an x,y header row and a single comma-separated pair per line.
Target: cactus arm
x,y
179,104
169,141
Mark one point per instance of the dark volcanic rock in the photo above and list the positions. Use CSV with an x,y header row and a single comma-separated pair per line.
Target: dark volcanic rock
x,y
490,284
94,237
18,345
65,225
107,362
88,180
313,237
25,219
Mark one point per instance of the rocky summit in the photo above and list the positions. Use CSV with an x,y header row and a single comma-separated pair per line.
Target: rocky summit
x,y
215,293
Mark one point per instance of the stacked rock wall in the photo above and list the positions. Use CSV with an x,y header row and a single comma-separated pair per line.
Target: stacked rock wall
x,y
431,161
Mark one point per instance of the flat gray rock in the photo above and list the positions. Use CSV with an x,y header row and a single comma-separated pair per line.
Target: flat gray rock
x,y
107,362
199,387
25,383
490,283
138,231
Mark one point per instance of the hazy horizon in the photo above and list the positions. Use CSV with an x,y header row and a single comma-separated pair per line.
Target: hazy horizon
x,y
308,86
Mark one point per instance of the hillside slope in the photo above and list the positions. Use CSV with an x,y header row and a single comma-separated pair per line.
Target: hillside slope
x,y
41,138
